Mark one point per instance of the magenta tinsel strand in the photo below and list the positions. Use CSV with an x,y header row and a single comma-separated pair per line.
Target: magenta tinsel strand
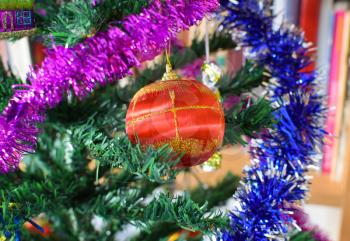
x,y
100,60
302,219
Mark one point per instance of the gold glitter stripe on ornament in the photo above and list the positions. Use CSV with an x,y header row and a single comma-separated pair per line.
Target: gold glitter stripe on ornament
x,y
206,90
193,107
133,121
173,110
157,87
161,86
17,34
191,146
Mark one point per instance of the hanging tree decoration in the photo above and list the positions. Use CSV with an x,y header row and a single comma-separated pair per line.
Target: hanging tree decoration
x,y
17,18
181,113
211,75
99,60
282,156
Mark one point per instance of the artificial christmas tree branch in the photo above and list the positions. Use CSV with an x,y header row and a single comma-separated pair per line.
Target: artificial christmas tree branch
x,y
185,213
249,77
7,79
69,23
42,193
302,236
213,196
92,129
119,152
82,196
90,181
247,119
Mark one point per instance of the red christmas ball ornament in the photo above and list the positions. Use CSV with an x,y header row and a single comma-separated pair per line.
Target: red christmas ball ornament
x,y
185,114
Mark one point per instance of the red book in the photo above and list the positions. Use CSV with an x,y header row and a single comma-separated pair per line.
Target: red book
x,y
309,21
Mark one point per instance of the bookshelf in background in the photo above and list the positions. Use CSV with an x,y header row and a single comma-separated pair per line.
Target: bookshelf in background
x,y
337,88
309,16
286,11
326,24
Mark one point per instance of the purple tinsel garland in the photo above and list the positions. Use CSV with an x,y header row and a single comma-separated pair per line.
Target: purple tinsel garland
x,y
100,60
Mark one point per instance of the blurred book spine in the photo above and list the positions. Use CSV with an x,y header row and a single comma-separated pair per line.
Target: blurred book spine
x,y
337,88
286,11
325,40
309,22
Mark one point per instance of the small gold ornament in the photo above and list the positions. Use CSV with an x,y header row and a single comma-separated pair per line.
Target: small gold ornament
x,y
183,235
12,205
174,236
211,75
213,163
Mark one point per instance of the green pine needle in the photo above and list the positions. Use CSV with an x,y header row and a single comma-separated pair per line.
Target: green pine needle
x,y
73,21
152,164
302,236
185,213
249,77
7,79
247,121
212,196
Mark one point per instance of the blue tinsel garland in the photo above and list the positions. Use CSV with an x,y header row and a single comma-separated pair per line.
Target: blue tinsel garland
x,y
282,157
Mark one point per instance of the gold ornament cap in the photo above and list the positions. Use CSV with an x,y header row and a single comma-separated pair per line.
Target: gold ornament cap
x,y
170,74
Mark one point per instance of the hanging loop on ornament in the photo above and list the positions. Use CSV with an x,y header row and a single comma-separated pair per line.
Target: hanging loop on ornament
x,y
167,53
211,73
169,72
207,46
